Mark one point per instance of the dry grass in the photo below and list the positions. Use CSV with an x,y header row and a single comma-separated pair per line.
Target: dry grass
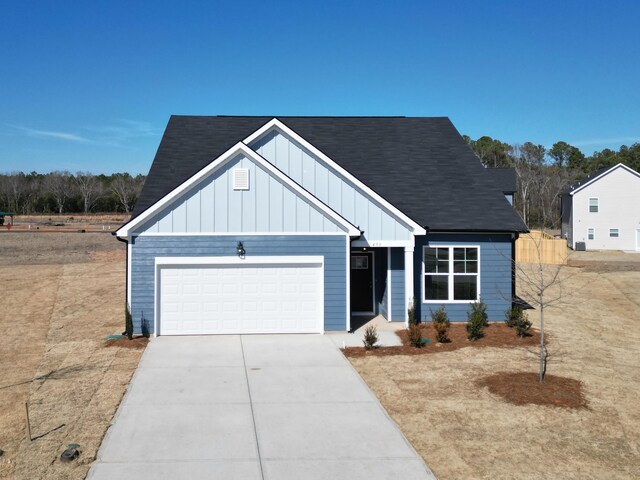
x,y
69,222
59,303
465,431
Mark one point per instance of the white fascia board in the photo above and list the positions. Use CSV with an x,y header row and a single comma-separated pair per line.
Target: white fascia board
x,y
606,172
382,243
276,124
239,148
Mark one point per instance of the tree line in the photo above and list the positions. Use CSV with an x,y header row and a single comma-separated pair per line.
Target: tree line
x,y
542,173
64,192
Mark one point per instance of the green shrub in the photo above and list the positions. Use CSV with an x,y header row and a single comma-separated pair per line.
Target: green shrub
x,y
414,333
128,322
441,324
370,337
477,320
144,323
512,316
479,310
523,324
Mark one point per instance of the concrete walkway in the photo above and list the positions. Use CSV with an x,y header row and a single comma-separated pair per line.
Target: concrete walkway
x,y
252,407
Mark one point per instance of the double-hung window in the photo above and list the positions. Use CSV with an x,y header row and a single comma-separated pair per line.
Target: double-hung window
x,y
591,233
450,274
593,205
614,232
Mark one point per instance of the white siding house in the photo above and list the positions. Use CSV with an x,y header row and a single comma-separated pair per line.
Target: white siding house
x,y
603,210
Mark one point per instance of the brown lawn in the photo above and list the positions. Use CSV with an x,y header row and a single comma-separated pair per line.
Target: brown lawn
x,y
454,406
62,294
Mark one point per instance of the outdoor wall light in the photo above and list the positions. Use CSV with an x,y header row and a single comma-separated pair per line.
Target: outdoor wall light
x,y
240,250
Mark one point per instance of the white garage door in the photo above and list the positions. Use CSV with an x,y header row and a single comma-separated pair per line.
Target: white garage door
x,y
246,298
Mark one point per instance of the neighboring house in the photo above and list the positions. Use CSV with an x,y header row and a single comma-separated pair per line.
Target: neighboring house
x,y
603,210
295,224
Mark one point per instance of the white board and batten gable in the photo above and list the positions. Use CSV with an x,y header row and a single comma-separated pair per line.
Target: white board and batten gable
x,y
382,224
605,211
239,192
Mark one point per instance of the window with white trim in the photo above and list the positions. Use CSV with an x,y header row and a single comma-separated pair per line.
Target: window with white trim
x,y
614,232
591,234
593,205
450,274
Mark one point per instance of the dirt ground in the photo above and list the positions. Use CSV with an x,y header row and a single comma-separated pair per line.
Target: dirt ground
x,y
62,294
464,431
67,222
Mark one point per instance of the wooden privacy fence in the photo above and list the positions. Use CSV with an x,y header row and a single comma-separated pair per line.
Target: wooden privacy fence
x,y
540,247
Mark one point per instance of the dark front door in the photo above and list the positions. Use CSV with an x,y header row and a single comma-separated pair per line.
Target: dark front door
x,y
362,282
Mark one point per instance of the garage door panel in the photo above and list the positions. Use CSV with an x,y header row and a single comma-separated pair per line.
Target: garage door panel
x,y
208,299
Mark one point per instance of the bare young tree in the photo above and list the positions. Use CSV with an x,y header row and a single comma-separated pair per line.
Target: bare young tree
x,y
59,185
127,189
541,285
90,189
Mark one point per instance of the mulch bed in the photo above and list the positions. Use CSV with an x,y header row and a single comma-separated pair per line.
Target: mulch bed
x,y
523,388
495,335
137,342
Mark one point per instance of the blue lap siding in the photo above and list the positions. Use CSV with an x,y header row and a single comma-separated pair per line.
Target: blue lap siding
x,y
495,273
145,249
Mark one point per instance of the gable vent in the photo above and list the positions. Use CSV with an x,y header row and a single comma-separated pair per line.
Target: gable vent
x,y
241,179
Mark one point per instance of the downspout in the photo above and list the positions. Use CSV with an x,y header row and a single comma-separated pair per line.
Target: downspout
x,y
126,269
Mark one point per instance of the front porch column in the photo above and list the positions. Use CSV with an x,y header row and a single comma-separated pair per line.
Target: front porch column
x,y
408,281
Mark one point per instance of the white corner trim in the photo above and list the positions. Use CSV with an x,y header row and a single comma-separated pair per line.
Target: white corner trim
x,y
239,148
408,281
275,124
606,172
129,249
348,292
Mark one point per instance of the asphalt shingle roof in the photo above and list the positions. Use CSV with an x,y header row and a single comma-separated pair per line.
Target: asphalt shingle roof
x,y
420,165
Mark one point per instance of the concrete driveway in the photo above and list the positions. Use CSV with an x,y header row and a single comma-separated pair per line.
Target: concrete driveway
x,y
252,407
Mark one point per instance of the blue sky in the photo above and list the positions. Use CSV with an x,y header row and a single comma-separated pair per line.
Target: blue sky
x,y
91,85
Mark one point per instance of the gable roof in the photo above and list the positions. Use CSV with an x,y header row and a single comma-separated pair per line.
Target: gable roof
x,y
238,149
421,165
592,177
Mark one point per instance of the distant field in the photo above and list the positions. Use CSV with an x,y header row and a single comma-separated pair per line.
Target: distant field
x,y
71,221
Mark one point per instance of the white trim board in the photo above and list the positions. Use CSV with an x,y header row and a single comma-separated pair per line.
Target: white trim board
x,y
239,234
450,275
275,124
242,149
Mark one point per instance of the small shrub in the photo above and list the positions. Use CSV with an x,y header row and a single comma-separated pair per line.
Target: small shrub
x,y
128,323
441,324
523,324
479,310
476,320
146,333
512,315
412,312
414,332
370,337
